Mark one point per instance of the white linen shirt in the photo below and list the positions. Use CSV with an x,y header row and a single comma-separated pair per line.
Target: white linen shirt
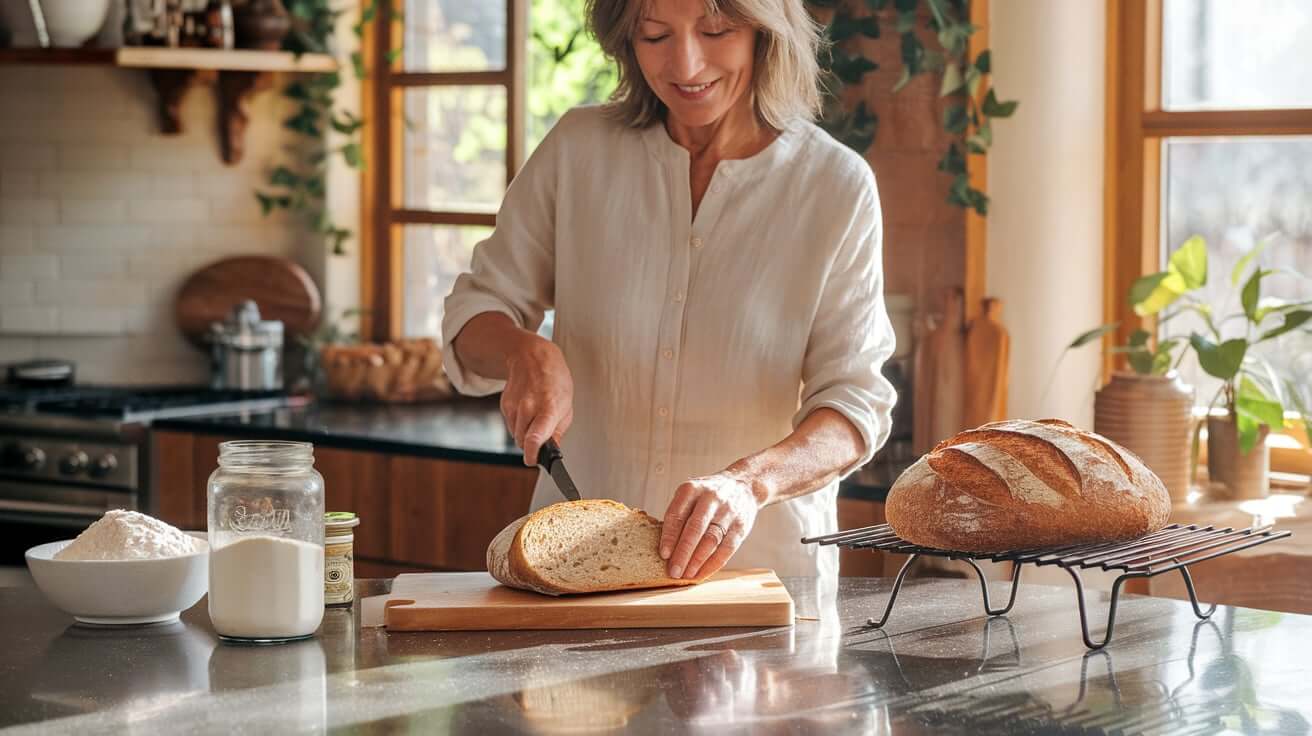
x,y
693,342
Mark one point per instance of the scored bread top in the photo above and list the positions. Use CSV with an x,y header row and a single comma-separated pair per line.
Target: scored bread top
x,y
1019,483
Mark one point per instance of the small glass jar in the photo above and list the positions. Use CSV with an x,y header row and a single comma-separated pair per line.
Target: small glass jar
x,y
339,557
266,509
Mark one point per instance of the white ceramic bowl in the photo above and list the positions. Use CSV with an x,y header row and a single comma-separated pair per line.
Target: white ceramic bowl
x,y
120,591
71,23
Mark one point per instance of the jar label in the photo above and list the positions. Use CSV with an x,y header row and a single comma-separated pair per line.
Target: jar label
x,y
274,520
338,574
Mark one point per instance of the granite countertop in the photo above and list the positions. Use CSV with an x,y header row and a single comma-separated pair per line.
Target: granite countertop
x,y
470,430
940,668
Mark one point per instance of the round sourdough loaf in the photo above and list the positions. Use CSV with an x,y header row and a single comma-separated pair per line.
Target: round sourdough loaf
x,y
1022,484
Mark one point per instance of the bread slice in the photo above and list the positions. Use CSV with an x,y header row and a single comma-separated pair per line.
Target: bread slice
x,y
1022,484
580,547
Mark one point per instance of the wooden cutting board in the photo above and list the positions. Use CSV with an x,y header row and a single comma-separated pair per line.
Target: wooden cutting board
x,y
988,349
474,601
281,288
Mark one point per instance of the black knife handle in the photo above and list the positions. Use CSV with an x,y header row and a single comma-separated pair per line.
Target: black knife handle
x,y
549,453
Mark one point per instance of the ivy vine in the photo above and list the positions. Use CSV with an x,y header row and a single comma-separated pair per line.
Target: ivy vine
x,y
967,117
299,183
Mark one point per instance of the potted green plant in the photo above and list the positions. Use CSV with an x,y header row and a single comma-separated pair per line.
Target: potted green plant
x,y
1252,394
1147,409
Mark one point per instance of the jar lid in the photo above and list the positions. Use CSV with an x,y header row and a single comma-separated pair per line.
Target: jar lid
x,y
338,522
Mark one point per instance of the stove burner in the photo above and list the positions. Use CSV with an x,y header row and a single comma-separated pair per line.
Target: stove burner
x,y
125,402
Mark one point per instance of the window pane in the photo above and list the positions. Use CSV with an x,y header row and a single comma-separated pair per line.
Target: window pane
x,y
566,67
1237,193
455,148
434,256
454,35
1234,54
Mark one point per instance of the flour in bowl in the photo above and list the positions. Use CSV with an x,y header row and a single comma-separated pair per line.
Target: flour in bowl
x,y
128,535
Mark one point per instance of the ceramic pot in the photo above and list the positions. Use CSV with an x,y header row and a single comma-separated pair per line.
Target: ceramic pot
x,y
1150,416
261,24
72,23
1242,475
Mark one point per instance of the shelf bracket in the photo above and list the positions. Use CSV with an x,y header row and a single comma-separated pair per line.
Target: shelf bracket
x,y
234,90
170,85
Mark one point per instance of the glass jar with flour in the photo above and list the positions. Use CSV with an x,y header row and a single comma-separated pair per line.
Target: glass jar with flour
x,y
266,509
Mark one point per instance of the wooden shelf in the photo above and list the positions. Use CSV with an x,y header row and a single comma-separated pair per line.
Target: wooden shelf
x,y
154,57
236,75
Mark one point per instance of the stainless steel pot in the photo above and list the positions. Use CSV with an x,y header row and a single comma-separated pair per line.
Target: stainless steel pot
x,y
246,351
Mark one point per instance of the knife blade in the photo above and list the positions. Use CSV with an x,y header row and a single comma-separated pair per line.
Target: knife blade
x,y
553,461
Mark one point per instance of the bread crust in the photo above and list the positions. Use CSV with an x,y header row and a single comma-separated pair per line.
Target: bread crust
x,y
1021,484
508,565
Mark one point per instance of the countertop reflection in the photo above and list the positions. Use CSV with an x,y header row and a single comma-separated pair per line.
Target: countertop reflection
x,y
938,668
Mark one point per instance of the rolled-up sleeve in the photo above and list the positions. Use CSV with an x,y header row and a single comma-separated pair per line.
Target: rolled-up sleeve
x,y
851,335
513,271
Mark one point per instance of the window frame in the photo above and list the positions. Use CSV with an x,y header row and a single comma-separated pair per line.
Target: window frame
x,y
1136,129
382,262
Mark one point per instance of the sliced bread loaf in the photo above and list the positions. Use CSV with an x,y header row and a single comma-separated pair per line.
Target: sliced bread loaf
x,y
580,547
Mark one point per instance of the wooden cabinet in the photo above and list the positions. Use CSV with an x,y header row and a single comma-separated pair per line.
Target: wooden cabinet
x,y
415,513
445,513
854,513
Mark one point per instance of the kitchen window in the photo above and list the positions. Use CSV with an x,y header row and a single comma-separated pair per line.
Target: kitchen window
x,y
469,90
1209,132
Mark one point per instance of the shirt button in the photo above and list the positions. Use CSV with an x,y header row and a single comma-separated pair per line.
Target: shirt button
x,y
697,242
678,297
663,411
660,468
667,354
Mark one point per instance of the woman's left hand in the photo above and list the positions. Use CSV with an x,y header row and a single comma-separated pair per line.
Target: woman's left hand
x,y
707,521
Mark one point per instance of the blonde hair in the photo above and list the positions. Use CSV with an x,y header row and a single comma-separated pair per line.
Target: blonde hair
x,y
785,78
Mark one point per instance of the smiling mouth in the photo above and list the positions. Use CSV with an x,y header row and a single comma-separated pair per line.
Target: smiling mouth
x,y
692,89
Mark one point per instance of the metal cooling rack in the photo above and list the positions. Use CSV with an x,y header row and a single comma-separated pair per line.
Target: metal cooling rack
x,y
1175,547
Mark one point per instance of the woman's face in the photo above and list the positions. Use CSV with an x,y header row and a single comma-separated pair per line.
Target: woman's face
x,y
699,65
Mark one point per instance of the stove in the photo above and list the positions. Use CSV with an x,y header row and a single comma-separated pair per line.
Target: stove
x,y
68,454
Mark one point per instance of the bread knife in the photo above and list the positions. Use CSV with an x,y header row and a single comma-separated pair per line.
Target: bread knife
x,y
551,459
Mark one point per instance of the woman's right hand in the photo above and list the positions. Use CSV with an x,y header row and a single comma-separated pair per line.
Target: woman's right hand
x,y
538,400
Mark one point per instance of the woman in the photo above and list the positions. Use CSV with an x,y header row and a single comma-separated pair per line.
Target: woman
x,y
708,252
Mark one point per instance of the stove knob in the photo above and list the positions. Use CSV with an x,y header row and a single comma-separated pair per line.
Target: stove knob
x,y
73,463
31,458
104,465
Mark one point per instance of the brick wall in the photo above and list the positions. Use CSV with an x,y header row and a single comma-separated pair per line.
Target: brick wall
x,y
924,236
102,217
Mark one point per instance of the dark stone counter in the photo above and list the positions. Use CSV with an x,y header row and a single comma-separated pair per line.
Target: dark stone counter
x,y
469,430
941,668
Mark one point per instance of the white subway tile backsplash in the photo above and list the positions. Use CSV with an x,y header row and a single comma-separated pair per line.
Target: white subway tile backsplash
x,y
102,218
28,210
162,156
91,184
85,321
15,349
173,185
16,238
83,156
168,210
92,211
91,293
29,320
82,237
26,156
17,183
17,293
91,264
28,266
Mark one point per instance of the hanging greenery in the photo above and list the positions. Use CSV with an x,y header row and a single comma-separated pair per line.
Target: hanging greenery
x,y
967,118
299,183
